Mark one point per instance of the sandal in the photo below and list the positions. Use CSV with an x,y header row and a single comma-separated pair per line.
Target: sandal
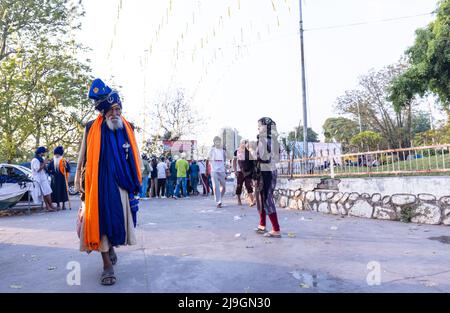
x,y
272,235
108,278
112,256
260,231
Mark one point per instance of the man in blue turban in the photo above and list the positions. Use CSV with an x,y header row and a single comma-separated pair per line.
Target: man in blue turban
x,y
38,167
108,177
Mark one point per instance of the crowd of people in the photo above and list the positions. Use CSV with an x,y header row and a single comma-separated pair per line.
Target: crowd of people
x,y
253,164
174,177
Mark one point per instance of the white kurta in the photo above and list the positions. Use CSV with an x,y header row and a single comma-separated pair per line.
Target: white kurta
x,y
40,177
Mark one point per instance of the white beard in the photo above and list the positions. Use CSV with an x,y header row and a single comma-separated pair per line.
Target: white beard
x,y
56,161
114,126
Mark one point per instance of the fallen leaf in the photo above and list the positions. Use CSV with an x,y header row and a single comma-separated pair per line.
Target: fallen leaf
x,y
292,235
249,247
15,286
237,235
52,268
303,285
333,228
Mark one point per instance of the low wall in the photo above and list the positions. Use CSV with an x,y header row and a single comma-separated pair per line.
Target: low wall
x,y
424,200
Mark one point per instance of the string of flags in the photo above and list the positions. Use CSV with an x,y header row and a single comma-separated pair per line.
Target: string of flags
x,y
203,40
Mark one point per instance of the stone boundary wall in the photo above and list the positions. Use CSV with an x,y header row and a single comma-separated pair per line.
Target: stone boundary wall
x,y
423,208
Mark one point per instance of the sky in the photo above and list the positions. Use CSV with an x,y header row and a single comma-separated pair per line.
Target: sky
x,y
239,60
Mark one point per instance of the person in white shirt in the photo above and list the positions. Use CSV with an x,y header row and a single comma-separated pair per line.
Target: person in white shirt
x,y
217,159
38,165
162,172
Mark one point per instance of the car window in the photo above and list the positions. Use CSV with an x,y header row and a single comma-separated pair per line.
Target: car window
x,y
18,172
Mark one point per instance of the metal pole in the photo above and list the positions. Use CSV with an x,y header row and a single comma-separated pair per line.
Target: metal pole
x,y
359,119
305,119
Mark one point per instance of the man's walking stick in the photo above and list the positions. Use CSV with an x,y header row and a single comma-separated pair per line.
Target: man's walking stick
x,y
67,185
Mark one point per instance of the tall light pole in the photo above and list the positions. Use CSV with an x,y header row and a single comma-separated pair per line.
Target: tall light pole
x,y
305,118
359,118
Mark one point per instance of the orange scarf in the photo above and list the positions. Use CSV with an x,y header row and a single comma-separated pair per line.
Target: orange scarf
x,y
62,168
92,224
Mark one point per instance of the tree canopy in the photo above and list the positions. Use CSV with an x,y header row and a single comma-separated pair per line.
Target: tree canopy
x,y
429,63
43,85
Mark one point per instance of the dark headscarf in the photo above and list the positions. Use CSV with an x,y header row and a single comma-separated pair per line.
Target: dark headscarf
x,y
268,122
38,152
59,150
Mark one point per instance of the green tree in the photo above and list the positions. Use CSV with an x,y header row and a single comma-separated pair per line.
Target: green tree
x,y
367,140
370,102
297,135
420,122
340,129
42,84
22,21
42,101
429,63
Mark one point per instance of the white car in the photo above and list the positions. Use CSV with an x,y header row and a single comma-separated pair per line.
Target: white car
x,y
19,170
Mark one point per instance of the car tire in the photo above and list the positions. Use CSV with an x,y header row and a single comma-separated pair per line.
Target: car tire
x,y
72,190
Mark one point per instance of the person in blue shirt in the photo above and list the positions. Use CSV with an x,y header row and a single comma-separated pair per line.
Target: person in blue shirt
x,y
194,175
172,180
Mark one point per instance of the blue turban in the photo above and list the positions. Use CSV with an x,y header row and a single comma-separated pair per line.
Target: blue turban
x,y
40,150
59,150
103,96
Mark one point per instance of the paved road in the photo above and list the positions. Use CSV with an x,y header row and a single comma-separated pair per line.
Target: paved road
x,y
188,245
